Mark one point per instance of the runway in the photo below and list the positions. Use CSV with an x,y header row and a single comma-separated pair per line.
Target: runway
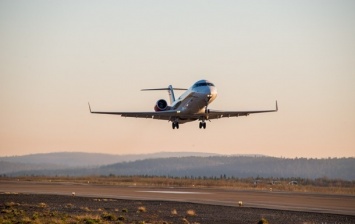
x,y
292,201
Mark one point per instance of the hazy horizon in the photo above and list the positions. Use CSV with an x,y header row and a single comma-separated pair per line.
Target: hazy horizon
x,y
172,152
56,56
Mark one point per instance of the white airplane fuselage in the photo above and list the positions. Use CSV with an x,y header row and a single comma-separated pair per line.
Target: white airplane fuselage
x,y
196,99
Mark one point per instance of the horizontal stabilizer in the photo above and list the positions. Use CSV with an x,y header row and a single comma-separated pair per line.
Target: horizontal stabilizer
x,y
163,89
170,91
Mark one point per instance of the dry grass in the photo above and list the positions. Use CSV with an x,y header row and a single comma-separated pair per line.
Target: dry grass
x,y
11,204
42,205
185,221
69,205
174,212
125,210
14,215
190,212
263,221
26,220
142,209
88,216
85,209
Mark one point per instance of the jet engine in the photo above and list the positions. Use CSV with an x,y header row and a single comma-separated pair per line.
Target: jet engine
x,y
161,105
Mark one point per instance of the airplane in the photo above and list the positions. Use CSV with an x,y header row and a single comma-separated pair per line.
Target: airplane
x,y
192,105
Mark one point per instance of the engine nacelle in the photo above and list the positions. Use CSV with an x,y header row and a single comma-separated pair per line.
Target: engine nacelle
x,y
161,105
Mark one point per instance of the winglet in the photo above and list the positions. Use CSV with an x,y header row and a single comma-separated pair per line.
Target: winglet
x,y
277,107
89,107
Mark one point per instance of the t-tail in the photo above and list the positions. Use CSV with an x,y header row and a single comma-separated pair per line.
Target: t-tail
x,y
170,91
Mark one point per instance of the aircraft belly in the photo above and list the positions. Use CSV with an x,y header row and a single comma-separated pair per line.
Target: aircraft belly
x,y
183,120
192,105
191,108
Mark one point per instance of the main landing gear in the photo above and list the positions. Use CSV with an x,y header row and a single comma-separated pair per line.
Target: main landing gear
x,y
202,125
175,125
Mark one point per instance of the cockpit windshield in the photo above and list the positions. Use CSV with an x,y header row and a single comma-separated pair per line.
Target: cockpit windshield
x,y
203,84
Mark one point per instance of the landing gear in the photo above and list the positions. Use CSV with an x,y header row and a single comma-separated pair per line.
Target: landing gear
x,y
207,100
202,125
207,111
175,125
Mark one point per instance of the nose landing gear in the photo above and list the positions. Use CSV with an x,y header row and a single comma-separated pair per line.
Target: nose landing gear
x,y
202,125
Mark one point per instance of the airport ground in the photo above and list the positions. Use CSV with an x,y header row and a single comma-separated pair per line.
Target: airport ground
x,y
174,205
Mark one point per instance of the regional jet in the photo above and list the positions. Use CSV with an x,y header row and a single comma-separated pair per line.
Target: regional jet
x,y
192,105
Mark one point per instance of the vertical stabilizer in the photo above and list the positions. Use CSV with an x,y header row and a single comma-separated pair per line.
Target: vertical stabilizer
x,y
171,94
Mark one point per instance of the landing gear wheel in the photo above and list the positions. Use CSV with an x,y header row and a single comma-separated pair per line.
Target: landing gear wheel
x,y
175,125
202,125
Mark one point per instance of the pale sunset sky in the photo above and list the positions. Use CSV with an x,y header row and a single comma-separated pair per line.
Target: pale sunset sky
x,y
56,56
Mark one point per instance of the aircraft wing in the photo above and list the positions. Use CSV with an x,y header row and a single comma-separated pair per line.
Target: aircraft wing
x,y
170,114
215,114
161,115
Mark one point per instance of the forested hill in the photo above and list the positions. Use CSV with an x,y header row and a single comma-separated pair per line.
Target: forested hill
x,y
215,166
343,168
83,159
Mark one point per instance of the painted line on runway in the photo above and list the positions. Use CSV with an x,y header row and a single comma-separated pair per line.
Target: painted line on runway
x,y
174,192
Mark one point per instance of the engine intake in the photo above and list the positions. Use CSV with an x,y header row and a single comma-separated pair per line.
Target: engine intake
x,y
161,105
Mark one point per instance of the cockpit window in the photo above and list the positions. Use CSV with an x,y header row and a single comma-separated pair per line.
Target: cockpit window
x,y
203,84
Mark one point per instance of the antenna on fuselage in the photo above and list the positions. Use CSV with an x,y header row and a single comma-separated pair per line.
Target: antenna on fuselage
x,y
170,91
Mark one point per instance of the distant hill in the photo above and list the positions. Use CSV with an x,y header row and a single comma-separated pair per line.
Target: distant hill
x,y
67,160
83,159
237,166
215,166
12,167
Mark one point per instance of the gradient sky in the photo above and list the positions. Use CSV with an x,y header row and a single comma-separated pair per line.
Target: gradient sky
x,y
55,56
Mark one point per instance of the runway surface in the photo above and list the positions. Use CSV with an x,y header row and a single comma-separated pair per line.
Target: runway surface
x,y
311,202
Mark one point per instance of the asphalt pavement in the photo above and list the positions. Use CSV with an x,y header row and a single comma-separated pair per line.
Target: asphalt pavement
x,y
292,201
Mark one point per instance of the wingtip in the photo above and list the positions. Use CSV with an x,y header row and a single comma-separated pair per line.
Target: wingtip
x,y
89,107
277,107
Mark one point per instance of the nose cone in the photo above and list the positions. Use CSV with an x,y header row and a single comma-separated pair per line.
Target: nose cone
x,y
206,88
212,93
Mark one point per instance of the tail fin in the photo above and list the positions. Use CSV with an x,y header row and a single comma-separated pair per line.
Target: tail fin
x,y
170,91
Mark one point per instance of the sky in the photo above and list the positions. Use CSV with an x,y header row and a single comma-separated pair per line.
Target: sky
x,y
56,56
